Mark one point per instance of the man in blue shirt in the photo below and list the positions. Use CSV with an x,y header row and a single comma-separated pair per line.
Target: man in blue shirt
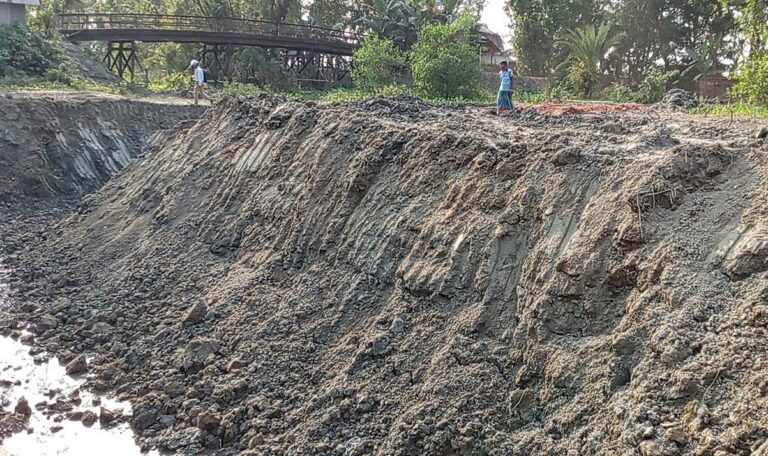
x,y
504,100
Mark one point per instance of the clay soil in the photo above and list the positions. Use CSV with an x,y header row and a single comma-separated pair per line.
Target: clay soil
x,y
391,277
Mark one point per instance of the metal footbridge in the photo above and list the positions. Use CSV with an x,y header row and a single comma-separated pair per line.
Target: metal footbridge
x,y
300,45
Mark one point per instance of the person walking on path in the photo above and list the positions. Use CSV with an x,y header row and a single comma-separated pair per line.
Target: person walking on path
x,y
199,90
504,100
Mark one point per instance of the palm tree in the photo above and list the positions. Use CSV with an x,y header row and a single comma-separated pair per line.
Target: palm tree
x,y
587,48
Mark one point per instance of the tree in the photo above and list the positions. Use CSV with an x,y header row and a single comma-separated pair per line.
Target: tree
x,y
753,20
378,63
444,61
537,23
587,48
401,20
658,33
393,19
752,80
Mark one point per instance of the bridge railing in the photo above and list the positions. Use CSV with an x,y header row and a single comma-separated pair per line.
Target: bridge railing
x,y
74,22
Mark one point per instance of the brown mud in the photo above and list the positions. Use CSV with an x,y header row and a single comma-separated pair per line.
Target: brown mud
x,y
392,277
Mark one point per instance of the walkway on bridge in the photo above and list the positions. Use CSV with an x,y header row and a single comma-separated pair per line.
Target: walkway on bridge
x,y
308,43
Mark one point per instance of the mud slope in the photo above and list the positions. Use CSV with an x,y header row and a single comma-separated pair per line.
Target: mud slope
x,y
67,144
396,278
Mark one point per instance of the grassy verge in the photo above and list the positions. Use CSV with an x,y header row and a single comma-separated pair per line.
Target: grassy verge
x,y
73,84
351,94
178,84
737,110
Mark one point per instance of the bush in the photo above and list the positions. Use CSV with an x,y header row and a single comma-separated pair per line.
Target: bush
x,y
173,82
752,80
445,62
619,93
655,85
377,63
27,53
581,81
358,94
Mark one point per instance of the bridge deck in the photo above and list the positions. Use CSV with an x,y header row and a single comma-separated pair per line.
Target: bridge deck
x,y
206,30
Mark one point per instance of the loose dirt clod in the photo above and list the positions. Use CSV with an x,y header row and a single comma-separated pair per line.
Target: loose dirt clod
x,y
107,417
77,365
394,277
23,408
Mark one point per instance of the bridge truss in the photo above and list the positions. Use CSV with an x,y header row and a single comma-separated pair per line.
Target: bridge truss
x,y
311,54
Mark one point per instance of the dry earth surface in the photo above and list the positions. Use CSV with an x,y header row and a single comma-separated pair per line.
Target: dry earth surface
x,y
393,277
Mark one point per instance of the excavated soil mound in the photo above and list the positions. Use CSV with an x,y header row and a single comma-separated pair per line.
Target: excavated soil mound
x,y
60,144
391,277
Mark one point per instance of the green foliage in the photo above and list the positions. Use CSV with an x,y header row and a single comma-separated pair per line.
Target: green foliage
x,y
239,88
377,63
356,94
23,52
656,84
538,22
619,93
752,80
653,31
173,82
752,18
587,47
445,62
527,96
55,81
401,20
701,59
738,109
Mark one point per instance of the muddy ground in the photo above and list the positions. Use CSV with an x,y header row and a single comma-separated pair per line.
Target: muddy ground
x,y
392,277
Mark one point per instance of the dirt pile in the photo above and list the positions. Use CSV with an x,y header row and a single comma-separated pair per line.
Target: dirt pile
x,y
67,144
85,66
679,99
392,277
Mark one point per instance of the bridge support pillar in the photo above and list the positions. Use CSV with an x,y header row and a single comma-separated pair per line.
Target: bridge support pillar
x,y
316,69
218,59
122,58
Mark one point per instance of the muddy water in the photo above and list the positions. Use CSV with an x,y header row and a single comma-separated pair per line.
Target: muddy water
x,y
34,382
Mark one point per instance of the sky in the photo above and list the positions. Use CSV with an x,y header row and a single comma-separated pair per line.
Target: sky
x,y
496,19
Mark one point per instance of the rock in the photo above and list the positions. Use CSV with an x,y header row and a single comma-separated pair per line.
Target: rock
x,y
196,313
196,354
102,328
57,428
23,408
762,133
166,421
397,326
77,365
183,439
208,421
107,417
568,156
144,417
89,418
45,323
677,434
380,345
235,364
